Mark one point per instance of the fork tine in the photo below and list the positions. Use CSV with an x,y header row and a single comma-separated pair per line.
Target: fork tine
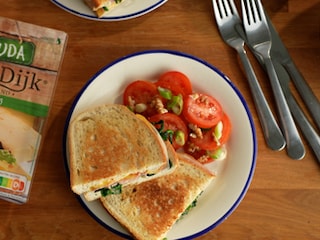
x,y
233,8
246,12
217,12
260,11
219,9
252,11
255,10
224,8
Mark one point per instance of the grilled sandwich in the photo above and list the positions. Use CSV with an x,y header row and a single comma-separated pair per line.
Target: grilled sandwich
x,y
110,147
150,209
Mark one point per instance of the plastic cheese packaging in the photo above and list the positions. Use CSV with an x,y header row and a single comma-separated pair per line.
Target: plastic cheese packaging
x,y
30,59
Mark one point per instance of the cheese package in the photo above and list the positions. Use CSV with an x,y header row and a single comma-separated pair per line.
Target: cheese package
x,y
30,59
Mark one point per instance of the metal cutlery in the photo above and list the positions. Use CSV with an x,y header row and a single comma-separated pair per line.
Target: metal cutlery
x,y
280,53
228,20
308,131
258,36
280,58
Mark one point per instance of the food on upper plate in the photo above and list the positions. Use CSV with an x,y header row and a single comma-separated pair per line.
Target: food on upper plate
x,y
110,146
150,209
193,121
100,7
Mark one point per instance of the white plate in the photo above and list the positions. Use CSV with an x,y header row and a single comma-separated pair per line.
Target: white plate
x,y
234,174
127,10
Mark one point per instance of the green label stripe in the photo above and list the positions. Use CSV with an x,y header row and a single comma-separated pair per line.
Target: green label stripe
x,y
34,109
12,50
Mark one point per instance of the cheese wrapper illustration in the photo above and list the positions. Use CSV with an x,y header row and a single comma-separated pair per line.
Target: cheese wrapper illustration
x,y
30,60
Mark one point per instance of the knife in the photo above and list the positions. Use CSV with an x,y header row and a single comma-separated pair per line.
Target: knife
x,y
280,54
308,131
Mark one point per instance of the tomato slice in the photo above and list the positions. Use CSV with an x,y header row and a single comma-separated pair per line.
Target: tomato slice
x,y
174,123
202,110
176,81
140,92
208,142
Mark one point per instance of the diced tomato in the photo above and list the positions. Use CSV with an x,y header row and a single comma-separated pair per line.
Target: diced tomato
x,y
202,110
175,81
140,92
208,142
174,123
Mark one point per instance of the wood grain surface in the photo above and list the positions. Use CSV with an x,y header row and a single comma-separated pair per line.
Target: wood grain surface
x,y
283,201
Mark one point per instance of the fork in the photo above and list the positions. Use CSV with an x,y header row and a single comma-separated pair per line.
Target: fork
x,y
228,20
259,37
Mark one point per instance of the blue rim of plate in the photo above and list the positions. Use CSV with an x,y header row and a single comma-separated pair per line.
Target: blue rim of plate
x,y
253,135
111,18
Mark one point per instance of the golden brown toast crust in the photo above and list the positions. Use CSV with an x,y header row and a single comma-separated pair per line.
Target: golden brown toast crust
x,y
148,210
108,141
160,202
165,169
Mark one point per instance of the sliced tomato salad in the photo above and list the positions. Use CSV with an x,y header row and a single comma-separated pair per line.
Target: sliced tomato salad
x,y
192,121
171,127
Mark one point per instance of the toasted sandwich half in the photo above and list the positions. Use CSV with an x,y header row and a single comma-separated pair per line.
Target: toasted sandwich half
x,y
110,146
150,209
100,7
136,178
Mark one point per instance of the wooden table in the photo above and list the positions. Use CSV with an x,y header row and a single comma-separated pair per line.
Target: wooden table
x,y
283,201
